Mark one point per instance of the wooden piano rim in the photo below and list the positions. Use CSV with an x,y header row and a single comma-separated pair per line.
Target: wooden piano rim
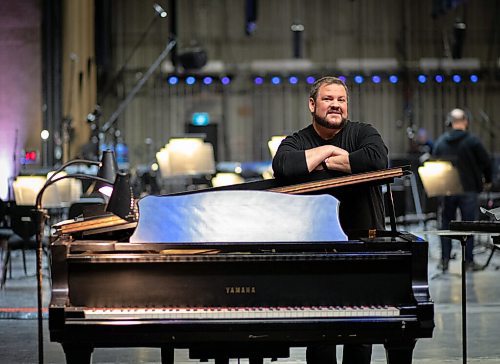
x,y
341,181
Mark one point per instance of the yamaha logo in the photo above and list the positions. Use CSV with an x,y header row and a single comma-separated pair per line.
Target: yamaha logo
x,y
241,290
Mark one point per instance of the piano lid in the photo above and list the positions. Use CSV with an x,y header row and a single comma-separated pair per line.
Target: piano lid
x,y
246,216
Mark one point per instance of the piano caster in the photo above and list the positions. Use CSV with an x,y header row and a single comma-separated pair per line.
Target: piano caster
x,y
167,355
76,354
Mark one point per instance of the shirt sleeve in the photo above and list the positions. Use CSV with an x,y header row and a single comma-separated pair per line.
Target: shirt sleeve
x,y
290,159
371,152
484,161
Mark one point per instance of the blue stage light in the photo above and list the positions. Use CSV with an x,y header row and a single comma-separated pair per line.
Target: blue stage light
x,y
275,80
207,80
358,79
225,80
310,80
422,78
438,78
393,79
173,80
258,80
293,80
457,78
376,79
190,80
342,78
474,78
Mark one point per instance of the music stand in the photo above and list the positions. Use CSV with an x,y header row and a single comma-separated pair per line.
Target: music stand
x,y
441,178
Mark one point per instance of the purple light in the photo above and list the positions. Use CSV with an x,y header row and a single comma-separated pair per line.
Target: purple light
x,y
376,79
457,78
190,80
342,78
310,80
275,80
474,78
293,80
225,80
393,79
258,80
438,78
207,80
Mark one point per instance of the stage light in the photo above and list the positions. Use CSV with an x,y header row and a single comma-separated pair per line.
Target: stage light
x,y
190,80
310,80
44,134
342,78
393,79
293,80
258,80
422,78
207,80
376,79
275,80
358,79
457,78
173,80
438,78
225,80
474,78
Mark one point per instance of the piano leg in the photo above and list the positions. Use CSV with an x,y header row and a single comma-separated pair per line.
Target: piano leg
x,y
77,354
221,360
167,355
400,352
256,360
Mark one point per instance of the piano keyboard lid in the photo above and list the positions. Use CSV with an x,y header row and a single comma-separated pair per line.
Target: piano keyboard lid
x,y
250,216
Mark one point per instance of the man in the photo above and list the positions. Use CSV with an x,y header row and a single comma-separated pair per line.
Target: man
x,y
335,143
472,161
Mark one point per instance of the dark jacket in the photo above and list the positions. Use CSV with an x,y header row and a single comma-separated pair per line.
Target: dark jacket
x,y
468,155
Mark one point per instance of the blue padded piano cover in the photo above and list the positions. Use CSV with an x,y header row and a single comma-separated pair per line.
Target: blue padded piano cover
x,y
238,216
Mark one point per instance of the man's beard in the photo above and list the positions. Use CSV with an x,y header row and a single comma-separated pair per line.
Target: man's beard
x,y
324,123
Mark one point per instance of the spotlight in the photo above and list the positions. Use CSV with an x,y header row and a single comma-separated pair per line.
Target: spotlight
x,y
438,78
376,79
393,79
44,134
293,80
310,80
275,80
358,79
422,78
474,78
161,12
207,80
342,78
258,80
173,80
225,80
190,80
456,78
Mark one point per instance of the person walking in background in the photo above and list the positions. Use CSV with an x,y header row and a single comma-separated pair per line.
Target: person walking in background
x,y
473,163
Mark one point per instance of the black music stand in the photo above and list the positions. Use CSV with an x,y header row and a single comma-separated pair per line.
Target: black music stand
x,y
441,178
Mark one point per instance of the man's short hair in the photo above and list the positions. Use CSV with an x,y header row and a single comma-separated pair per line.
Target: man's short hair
x,y
328,80
456,114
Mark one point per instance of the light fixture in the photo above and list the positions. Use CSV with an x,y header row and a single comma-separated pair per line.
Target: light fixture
x,y
107,171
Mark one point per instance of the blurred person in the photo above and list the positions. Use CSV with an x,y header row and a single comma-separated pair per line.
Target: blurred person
x,y
473,163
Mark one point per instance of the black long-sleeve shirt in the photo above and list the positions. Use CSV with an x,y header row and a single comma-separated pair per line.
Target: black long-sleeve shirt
x,y
361,207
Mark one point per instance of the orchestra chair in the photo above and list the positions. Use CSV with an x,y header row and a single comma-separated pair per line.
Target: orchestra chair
x,y
22,220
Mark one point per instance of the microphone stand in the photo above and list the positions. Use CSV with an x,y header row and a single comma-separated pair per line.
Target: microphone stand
x,y
112,119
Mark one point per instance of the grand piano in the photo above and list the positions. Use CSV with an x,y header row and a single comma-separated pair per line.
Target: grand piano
x,y
207,272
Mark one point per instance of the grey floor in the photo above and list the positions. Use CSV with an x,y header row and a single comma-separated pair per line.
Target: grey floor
x,y
18,331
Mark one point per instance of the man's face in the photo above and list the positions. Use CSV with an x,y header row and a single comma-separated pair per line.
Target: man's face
x,y
330,107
